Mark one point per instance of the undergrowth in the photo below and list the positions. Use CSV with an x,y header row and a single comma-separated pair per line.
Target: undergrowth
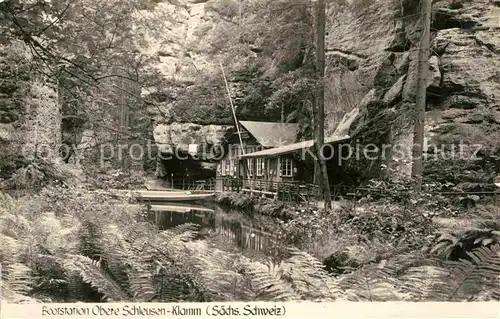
x,y
253,205
68,245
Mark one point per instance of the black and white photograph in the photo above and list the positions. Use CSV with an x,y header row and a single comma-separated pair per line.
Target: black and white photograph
x,y
202,151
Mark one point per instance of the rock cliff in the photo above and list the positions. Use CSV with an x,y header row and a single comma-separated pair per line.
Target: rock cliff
x,y
462,120
173,45
29,113
377,42
181,135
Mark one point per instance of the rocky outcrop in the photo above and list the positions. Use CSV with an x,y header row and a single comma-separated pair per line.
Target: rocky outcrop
x,y
29,113
42,121
463,92
170,43
182,118
178,136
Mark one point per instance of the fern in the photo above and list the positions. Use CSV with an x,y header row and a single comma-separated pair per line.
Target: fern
x,y
175,287
127,259
468,278
419,282
456,245
92,273
310,277
18,278
370,283
219,273
268,282
142,285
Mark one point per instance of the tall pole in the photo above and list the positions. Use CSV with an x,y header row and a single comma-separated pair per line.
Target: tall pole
x,y
234,115
232,108
423,69
320,100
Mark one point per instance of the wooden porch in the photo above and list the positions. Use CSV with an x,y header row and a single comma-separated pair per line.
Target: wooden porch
x,y
287,191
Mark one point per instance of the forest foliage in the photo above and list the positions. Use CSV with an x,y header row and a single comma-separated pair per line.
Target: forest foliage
x,y
68,244
89,52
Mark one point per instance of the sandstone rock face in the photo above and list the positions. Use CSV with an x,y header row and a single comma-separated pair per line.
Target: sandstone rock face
x,y
435,76
41,124
171,42
361,32
173,45
179,136
394,93
467,102
29,112
463,88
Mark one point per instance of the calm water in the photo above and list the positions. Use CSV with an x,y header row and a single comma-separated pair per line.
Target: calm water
x,y
214,220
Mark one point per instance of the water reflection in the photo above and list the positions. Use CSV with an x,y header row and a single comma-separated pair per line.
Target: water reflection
x,y
213,219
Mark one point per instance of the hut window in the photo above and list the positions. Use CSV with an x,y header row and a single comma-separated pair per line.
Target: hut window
x,y
227,168
286,167
260,166
232,168
250,166
223,167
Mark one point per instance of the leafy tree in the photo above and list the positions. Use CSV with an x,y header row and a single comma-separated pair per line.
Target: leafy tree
x,y
91,50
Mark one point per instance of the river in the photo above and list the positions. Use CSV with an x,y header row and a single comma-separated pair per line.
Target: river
x,y
229,227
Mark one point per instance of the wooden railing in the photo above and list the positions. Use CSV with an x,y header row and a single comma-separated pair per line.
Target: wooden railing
x,y
285,191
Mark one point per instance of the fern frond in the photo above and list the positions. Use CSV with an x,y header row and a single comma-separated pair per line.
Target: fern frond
x,y
468,278
185,228
370,283
90,239
15,224
170,244
18,278
456,246
420,282
142,285
92,273
177,287
218,272
309,276
267,281
9,250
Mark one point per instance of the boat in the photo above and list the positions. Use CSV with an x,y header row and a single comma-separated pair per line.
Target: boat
x,y
177,207
180,208
171,196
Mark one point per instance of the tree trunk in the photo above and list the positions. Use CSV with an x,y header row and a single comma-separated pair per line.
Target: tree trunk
x,y
124,124
423,67
320,101
282,113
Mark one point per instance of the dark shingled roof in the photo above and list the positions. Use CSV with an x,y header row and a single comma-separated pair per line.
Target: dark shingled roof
x,y
272,134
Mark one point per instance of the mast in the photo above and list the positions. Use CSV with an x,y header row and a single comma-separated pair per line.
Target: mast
x,y
232,108
234,112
